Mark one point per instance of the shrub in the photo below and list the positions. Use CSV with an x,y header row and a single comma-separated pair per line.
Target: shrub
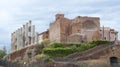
x,y
74,44
85,47
45,42
41,46
40,56
48,59
74,48
58,49
56,45
99,42
57,52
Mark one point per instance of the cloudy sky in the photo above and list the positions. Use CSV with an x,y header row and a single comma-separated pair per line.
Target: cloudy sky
x,y
15,13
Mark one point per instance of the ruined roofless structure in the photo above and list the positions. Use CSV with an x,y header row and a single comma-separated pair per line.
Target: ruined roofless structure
x,y
23,37
80,29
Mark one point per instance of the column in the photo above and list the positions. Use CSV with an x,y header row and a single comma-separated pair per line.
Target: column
x,y
26,34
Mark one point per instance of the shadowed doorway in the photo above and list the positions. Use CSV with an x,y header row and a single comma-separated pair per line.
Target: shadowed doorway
x,y
114,62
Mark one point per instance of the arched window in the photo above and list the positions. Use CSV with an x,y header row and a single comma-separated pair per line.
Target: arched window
x,y
114,62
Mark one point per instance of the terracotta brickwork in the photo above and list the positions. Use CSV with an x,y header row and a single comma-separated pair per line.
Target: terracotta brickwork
x,y
54,32
109,34
80,29
42,36
21,54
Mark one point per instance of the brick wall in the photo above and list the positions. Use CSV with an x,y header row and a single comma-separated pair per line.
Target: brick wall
x,y
21,53
62,28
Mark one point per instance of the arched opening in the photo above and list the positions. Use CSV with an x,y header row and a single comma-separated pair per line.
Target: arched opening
x,y
89,25
90,28
114,62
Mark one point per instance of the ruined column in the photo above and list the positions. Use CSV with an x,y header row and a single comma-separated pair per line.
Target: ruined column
x,y
26,34
32,34
36,38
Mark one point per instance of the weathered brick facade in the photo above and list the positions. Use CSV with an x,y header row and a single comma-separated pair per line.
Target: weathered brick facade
x,y
22,54
109,34
80,29
42,36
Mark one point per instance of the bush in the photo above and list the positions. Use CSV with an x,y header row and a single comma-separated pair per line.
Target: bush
x,y
86,46
58,52
56,45
58,49
41,46
45,42
74,44
99,42
48,59
74,48
40,56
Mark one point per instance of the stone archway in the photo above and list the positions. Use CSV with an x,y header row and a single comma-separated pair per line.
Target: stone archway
x,y
91,29
90,25
114,62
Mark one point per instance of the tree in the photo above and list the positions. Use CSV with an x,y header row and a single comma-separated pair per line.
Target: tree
x,y
2,54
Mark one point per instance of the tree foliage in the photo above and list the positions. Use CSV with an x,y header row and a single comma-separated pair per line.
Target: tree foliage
x,y
2,54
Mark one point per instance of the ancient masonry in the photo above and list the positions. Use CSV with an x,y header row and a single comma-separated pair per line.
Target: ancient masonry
x,y
80,29
23,37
